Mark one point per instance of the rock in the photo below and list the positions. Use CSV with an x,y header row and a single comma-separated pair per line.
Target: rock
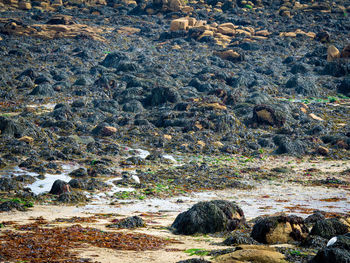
x,y
129,223
329,228
179,24
72,197
61,20
10,205
315,117
332,53
24,5
161,95
230,55
43,90
59,187
238,238
253,254
337,252
279,229
345,53
8,184
323,37
266,115
323,150
209,217
80,172
344,86
10,128
315,242
26,139
109,130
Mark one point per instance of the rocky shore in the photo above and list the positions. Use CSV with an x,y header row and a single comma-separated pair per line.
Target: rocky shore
x,y
191,114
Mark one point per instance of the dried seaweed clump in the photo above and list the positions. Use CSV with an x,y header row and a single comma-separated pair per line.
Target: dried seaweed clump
x,y
55,244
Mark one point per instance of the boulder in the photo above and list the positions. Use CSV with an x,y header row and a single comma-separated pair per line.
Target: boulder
x,y
253,254
338,252
239,238
209,217
329,228
279,229
10,127
80,172
72,197
59,187
179,24
230,55
344,86
332,53
345,53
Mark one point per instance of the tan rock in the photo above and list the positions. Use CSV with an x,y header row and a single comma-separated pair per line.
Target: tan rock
x,y
179,24
26,139
253,256
303,109
229,25
265,116
215,106
201,143
0,38
259,37
229,55
187,9
207,33
315,117
323,150
218,144
192,21
128,30
200,23
240,31
263,33
25,5
288,34
167,137
249,29
109,130
226,30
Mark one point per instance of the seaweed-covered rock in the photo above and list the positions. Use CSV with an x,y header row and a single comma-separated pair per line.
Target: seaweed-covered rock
x,y
209,217
279,229
10,127
59,187
266,115
129,222
238,238
9,184
344,86
80,172
315,242
338,252
329,228
10,205
72,197
194,260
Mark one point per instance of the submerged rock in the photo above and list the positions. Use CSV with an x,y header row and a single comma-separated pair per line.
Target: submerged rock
x,y
209,217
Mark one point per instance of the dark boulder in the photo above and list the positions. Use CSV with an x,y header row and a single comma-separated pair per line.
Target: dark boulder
x,y
194,260
43,90
10,127
80,172
209,217
59,187
279,229
344,87
329,228
338,252
72,197
161,95
129,223
238,238
11,205
112,60
9,184
288,146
